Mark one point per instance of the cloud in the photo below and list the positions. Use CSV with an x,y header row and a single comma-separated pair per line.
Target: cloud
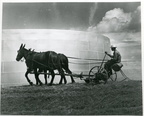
x,y
114,20
117,20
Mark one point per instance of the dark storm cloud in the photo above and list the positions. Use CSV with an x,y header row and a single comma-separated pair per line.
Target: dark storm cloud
x,y
59,15
46,15
136,20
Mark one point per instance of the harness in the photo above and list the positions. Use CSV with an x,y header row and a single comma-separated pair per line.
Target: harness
x,y
32,61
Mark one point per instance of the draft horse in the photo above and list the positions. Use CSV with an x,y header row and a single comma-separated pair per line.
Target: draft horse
x,y
44,61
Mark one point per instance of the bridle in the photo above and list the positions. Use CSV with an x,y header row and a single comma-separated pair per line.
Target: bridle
x,y
22,59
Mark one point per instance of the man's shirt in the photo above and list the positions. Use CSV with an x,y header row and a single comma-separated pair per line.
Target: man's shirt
x,y
116,56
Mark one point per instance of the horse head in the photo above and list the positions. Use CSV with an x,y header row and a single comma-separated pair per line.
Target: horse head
x,y
20,52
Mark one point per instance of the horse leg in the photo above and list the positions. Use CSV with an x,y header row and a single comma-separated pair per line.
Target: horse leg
x,y
37,77
45,76
69,72
26,75
62,76
53,75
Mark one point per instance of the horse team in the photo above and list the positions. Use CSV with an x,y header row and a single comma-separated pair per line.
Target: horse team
x,y
44,61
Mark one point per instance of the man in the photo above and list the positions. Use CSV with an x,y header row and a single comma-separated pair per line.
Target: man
x,y
115,58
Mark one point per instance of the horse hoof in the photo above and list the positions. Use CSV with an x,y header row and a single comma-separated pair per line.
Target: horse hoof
x,y
50,84
31,83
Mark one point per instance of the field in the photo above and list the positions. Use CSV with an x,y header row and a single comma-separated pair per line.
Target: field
x,y
117,98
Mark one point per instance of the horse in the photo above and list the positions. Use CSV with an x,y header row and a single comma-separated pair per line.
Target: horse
x,y
29,68
64,65
25,53
44,61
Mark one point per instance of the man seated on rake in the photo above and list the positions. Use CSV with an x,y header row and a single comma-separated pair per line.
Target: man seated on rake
x,y
115,58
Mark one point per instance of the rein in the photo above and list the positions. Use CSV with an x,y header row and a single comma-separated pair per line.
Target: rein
x,y
40,63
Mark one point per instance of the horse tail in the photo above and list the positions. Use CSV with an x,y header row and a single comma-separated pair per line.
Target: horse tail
x,y
64,62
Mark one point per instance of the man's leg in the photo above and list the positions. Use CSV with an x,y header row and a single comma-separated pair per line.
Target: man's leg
x,y
107,66
111,64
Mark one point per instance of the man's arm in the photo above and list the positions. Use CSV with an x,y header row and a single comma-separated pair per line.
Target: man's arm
x,y
109,55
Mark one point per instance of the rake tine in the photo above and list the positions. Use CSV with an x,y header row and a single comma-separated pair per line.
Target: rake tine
x,y
124,75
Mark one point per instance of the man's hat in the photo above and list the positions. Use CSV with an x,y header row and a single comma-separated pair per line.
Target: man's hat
x,y
113,46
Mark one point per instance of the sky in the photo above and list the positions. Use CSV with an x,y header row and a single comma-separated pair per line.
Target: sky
x,y
120,21
75,15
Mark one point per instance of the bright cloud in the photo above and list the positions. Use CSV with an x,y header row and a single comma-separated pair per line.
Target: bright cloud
x,y
117,20
114,20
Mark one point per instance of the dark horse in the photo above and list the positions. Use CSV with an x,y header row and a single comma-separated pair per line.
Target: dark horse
x,y
44,61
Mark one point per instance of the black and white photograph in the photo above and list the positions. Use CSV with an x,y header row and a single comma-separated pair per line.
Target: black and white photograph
x,y
71,58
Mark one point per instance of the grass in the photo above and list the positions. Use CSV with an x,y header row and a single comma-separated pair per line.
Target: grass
x,y
118,98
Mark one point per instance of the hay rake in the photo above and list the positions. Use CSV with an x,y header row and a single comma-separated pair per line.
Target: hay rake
x,y
97,74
